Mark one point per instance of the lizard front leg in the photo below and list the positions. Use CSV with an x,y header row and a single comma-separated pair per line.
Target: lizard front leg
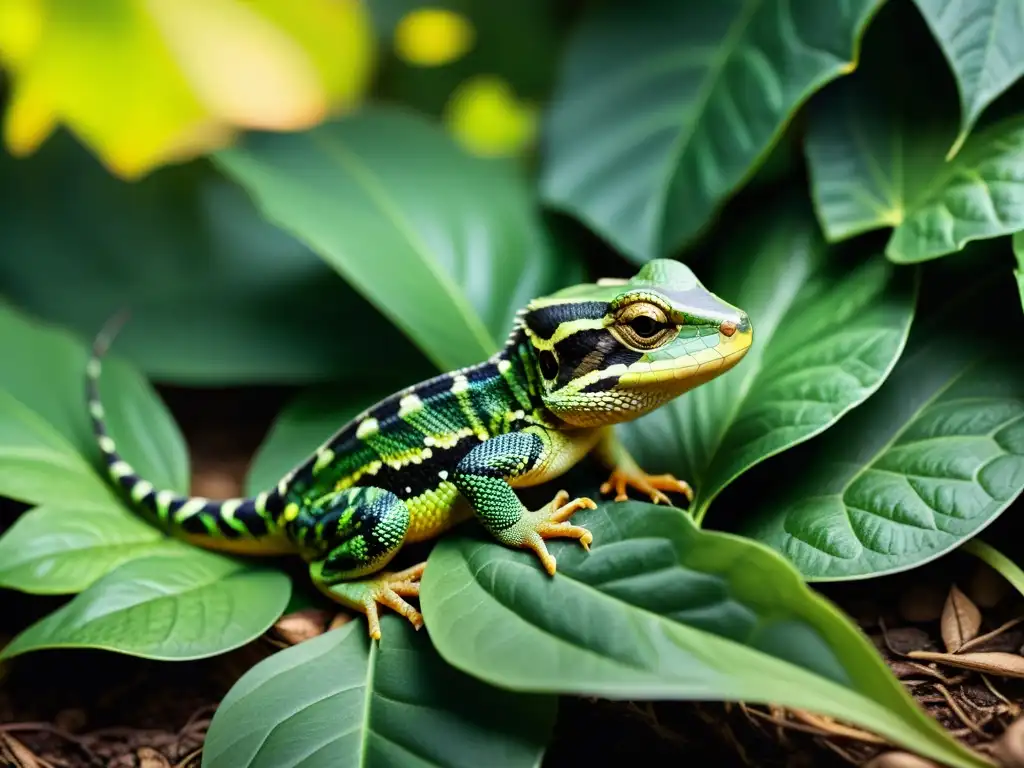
x,y
348,537
626,473
483,477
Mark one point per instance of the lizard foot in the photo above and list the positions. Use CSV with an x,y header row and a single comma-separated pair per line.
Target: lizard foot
x,y
386,589
549,522
652,485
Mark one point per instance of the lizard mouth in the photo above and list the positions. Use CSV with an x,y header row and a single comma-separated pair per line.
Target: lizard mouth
x,y
694,368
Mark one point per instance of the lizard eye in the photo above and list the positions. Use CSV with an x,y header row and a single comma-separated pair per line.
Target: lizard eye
x,y
644,325
548,364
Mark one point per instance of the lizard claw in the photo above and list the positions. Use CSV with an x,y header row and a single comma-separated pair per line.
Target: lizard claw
x,y
652,485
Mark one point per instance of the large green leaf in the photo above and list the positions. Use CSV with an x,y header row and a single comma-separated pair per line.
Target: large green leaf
x,y
37,464
165,607
446,245
217,294
339,700
46,442
301,427
664,108
662,610
930,460
876,146
982,39
825,337
64,547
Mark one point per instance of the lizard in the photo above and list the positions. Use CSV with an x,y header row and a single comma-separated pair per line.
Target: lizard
x,y
453,447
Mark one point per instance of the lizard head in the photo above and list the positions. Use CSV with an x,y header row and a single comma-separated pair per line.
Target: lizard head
x,y
614,350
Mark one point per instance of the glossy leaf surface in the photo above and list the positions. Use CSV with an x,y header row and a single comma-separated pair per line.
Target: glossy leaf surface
x,y
663,109
64,547
46,445
662,610
338,700
449,267
165,607
982,40
876,146
929,461
825,337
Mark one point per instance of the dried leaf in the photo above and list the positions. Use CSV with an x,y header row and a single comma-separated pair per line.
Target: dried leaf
x,y
904,640
150,758
11,748
832,728
899,760
961,620
995,662
301,625
1009,748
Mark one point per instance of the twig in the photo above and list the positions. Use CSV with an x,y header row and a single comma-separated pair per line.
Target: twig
x,y
989,635
959,712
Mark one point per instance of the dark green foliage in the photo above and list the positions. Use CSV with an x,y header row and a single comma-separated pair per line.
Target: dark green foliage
x,y
860,198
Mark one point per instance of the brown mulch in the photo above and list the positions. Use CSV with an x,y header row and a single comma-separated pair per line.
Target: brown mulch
x,y
952,632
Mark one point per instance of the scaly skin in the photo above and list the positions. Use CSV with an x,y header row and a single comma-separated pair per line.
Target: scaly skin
x,y
454,446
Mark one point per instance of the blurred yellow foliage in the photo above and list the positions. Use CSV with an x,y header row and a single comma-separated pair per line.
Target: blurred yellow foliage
x,y
486,117
430,37
145,82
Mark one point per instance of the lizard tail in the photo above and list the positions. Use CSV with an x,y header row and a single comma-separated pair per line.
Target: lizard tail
x,y
244,525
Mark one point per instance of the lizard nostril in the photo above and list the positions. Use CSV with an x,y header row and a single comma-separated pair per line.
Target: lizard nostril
x,y
727,328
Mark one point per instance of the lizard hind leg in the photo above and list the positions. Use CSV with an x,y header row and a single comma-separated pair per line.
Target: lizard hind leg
x,y
350,537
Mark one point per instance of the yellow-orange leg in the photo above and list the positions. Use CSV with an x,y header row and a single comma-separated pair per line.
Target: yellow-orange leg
x,y
549,522
652,485
386,589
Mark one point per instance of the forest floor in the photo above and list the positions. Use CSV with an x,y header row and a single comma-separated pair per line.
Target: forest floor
x,y
88,709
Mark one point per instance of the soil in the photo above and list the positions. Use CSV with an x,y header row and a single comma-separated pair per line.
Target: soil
x,y
86,709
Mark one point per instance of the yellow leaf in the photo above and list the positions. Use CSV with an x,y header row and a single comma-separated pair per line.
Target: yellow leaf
x,y
21,22
145,82
430,37
485,116
242,67
325,28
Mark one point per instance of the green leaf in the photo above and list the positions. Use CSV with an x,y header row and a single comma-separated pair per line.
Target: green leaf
x,y
876,145
46,442
1018,247
664,109
37,464
662,610
301,427
446,245
64,548
979,195
825,338
999,562
925,464
982,40
338,700
165,607
213,273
